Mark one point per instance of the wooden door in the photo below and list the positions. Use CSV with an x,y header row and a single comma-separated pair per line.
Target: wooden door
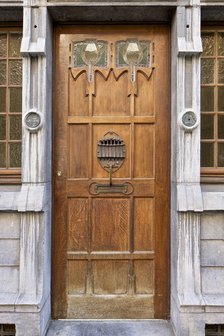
x,y
110,242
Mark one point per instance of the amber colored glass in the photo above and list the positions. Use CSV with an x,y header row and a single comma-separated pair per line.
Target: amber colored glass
x,y
2,155
14,44
221,71
207,99
15,127
15,100
207,126
15,72
207,71
221,44
208,43
15,155
2,99
2,72
207,154
221,127
221,154
3,45
2,127
221,98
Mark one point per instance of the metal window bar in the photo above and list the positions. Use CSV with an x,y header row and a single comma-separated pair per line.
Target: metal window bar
x,y
214,330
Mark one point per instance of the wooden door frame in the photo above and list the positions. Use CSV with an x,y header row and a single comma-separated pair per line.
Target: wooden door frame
x,y
161,311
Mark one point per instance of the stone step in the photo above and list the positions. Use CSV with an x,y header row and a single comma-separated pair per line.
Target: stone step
x,y
110,328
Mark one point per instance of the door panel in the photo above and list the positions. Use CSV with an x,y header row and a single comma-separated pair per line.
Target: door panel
x,y
110,242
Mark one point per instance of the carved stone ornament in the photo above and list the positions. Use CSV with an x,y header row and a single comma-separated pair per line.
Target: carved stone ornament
x,y
188,120
32,121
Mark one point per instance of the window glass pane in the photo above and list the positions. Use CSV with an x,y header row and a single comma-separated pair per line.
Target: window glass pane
x,y
2,72
207,99
15,127
15,155
2,99
221,154
3,45
2,155
221,126
207,71
208,44
15,100
207,126
14,45
221,98
2,127
221,44
221,71
15,72
207,154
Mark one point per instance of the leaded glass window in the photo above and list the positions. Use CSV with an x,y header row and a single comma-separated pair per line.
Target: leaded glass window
x,y
10,104
212,102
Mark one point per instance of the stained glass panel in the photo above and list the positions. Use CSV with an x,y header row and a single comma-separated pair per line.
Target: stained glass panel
x,y
221,71
143,48
14,45
15,155
221,154
15,127
15,100
2,127
208,44
207,71
2,155
221,126
15,72
221,44
2,99
90,52
207,126
2,72
3,45
207,154
207,99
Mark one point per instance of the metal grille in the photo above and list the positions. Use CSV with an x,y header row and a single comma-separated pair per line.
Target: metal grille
x,y
7,330
214,330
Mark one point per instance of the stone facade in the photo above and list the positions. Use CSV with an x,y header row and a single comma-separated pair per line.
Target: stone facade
x,y
197,217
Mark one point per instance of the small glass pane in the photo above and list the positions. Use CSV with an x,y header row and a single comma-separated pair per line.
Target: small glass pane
x,y
221,126
9,327
2,99
208,44
2,155
14,45
2,127
221,71
3,45
90,52
221,44
15,72
15,127
207,126
221,98
207,71
15,155
2,72
207,99
221,154
15,100
207,154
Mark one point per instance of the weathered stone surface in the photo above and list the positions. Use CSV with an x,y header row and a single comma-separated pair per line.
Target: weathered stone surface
x,y
212,225
212,280
137,328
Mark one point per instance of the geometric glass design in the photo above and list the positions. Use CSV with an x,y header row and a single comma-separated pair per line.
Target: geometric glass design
x,y
133,53
90,53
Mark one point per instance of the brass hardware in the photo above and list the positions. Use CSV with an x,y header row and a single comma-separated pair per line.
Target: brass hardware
x,y
125,188
59,173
